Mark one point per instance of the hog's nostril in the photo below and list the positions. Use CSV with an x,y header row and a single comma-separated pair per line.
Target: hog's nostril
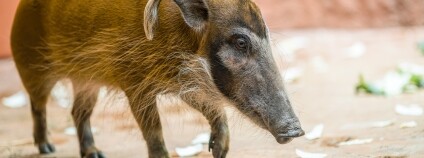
x,y
257,113
293,133
296,133
301,133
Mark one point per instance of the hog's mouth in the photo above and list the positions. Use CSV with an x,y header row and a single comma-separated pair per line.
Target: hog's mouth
x,y
289,136
284,140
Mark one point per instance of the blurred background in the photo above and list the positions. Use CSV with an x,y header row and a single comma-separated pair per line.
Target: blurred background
x,y
354,70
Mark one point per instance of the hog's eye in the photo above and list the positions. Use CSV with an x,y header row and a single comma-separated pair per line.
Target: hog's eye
x,y
240,42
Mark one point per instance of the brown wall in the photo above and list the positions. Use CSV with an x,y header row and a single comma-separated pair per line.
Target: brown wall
x,y
283,14
7,11
342,13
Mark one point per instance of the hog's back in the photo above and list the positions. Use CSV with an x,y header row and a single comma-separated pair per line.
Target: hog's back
x,y
97,39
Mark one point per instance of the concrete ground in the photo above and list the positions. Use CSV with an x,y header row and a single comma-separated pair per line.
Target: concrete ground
x,y
324,93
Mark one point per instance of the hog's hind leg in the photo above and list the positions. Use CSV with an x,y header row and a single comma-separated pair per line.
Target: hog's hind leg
x,y
38,86
38,95
85,100
27,43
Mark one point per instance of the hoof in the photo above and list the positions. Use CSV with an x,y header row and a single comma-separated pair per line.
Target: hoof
x,y
93,153
46,148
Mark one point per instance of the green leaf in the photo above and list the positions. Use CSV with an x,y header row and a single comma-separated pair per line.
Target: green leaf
x,y
421,47
417,80
363,86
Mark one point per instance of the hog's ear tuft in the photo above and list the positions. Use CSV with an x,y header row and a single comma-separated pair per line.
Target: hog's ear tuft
x,y
151,17
195,12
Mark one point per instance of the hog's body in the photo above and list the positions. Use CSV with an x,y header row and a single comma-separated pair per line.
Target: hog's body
x,y
101,42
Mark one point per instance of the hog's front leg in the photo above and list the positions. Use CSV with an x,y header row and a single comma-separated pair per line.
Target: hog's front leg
x,y
215,114
197,88
220,138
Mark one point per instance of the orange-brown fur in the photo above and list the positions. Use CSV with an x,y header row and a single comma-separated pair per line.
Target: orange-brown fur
x,y
114,52
204,52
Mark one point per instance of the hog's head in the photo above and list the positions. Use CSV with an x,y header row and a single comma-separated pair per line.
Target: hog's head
x,y
236,41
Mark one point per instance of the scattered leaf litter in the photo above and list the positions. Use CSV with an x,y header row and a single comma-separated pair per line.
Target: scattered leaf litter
x,y
406,79
356,142
202,138
16,100
409,124
304,154
315,133
392,84
410,68
409,110
191,150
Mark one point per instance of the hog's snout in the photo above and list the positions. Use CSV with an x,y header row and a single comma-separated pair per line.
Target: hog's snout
x,y
289,135
286,137
285,132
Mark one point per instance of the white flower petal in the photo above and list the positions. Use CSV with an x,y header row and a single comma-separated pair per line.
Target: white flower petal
x,y
202,138
315,133
189,150
292,74
357,50
410,110
356,142
73,131
16,100
409,124
62,94
380,124
304,154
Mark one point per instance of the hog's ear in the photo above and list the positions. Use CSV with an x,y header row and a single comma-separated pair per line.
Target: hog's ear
x,y
195,12
151,17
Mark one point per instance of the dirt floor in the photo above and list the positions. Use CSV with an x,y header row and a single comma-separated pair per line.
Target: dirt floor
x,y
324,93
